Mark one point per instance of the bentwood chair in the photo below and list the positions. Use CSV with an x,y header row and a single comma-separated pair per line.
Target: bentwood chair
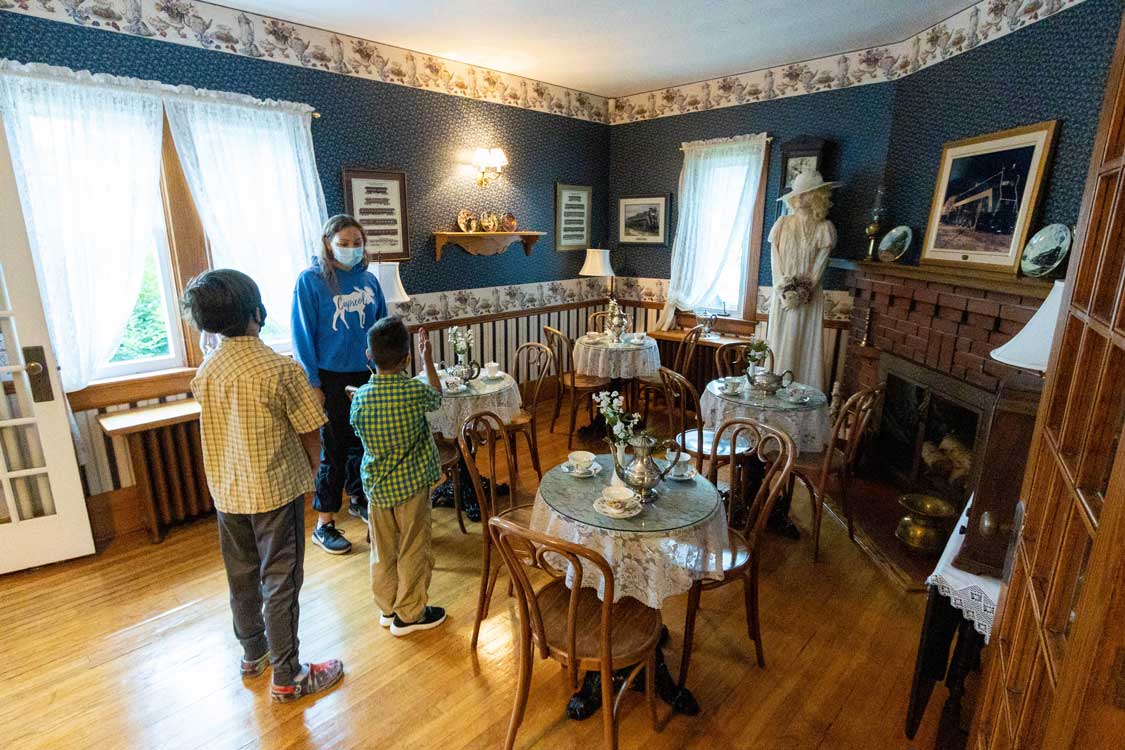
x,y
572,626
533,362
449,459
758,476
816,470
595,321
732,359
484,439
652,386
687,422
566,379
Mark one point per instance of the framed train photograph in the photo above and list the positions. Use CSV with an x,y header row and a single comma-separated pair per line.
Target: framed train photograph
x,y
643,220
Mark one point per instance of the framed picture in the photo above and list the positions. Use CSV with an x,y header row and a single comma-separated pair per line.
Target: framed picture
x,y
987,190
572,216
643,220
377,199
798,155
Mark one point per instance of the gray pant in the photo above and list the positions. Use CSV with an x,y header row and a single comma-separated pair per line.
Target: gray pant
x,y
264,554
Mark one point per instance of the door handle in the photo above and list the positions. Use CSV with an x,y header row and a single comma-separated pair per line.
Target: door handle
x,y
35,364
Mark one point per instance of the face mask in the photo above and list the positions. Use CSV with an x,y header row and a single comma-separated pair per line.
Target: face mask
x,y
262,318
347,256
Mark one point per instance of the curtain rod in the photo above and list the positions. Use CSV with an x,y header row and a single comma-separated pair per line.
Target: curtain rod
x,y
710,141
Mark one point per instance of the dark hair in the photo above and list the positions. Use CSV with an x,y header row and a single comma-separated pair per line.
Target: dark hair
x,y
332,227
223,301
389,342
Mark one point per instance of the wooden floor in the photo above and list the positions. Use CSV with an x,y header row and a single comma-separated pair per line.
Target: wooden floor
x,y
133,648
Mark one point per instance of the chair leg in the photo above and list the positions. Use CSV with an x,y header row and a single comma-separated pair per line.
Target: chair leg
x,y
817,501
650,690
523,686
845,480
609,720
486,583
455,476
753,625
533,449
515,453
573,419
558,404
695,593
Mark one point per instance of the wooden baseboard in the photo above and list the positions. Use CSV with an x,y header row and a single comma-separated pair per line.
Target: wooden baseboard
x,y
114,513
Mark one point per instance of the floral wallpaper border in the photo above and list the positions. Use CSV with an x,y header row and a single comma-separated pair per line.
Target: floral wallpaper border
x,y
984,21
214,27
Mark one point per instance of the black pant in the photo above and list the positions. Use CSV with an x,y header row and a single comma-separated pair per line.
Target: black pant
x,y
264,555
340,449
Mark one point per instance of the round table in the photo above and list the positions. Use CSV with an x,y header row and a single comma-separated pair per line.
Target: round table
x,y
671,544
807,423
616,360
500,395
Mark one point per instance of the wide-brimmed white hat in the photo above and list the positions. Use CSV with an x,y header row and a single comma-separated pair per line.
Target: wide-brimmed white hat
x,y
806,182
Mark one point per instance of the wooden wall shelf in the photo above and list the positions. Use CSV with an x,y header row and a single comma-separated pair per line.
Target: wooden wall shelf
x,y
486,243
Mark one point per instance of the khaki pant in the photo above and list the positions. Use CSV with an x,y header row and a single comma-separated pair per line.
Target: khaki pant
x,y
401,558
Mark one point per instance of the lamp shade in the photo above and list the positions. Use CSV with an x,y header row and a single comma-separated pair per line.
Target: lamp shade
x,y
497,158
390,282
597,263
1031,347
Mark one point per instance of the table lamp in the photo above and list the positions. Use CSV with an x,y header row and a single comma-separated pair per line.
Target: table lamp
x,y
390,282
1031,347
597,264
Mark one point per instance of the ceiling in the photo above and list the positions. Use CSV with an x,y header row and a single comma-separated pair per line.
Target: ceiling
x,y
619,47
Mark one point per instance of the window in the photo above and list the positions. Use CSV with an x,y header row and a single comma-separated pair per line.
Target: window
x,y
151,341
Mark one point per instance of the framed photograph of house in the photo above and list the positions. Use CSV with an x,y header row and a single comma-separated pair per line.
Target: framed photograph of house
x,y
643,220
799,155
377,199
986,194
572,216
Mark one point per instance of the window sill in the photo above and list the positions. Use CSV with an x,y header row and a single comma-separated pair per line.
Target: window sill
x,y
129,389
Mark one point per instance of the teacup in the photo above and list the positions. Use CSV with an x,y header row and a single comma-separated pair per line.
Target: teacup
x,y
492,369
618,498
731,385
639,337
593,335
682,466
581,460
453,383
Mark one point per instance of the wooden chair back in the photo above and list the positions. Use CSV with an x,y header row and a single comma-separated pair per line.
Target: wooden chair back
x,y
562,348
731,359
851,427
521,548
759,474
483,434
683,408
595,321
533,363
685,352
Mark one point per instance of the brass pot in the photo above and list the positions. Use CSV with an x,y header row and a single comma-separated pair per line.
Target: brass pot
x,y
926,526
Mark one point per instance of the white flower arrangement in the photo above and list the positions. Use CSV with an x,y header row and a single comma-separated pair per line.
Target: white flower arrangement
x,y
620,426
461,337
795,291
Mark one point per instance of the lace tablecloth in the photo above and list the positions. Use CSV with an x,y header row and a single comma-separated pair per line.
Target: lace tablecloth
x,y
500,396
619,361
976,596
806,423
675,541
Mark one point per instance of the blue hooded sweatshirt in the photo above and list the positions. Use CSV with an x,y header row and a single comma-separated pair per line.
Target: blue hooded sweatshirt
x,y
330,326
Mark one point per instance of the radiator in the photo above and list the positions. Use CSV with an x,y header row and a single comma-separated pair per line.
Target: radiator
x,y
172,457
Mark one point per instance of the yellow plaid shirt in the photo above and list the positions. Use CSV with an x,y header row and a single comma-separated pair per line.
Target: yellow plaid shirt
x,y
399,455
255,402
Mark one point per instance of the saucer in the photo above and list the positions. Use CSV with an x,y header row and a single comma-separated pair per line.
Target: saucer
x,y
612,511
492,378
594,470
455,389
798,398
692,474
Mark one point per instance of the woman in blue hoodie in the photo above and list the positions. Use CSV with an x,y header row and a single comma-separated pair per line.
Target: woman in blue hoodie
x,y
335,302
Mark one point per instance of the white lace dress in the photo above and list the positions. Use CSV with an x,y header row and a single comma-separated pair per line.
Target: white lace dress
x,y
795,335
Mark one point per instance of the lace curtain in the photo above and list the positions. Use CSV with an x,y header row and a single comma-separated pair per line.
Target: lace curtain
x,y
252,175
86,154
719,185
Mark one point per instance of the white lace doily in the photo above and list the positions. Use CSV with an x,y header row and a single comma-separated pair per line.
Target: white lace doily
x,y
809,428
501,398
618,361
974,595
650,567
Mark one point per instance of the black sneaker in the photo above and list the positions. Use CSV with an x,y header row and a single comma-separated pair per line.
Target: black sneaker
x,y
331,540
431,618
358,508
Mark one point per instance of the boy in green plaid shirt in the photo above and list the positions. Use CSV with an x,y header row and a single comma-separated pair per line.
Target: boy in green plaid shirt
x,y
400,464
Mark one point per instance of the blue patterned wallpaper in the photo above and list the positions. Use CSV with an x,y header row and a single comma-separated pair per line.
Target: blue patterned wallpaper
x,y
1050,71
369,123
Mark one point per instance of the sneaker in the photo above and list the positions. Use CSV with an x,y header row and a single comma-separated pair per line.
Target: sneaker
x,y
431,618
313,679
386,620
358,508
255,667
331,540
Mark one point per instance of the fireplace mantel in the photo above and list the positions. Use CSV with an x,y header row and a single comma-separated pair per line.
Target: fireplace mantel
x,y
982,280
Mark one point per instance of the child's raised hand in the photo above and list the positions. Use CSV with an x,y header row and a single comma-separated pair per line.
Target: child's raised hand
x,y
423,343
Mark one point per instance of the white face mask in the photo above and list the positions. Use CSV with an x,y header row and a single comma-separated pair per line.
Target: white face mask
x,y
347,256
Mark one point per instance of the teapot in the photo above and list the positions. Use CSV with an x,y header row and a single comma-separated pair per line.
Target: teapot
x,y
616,322
465,370
642,475
766,381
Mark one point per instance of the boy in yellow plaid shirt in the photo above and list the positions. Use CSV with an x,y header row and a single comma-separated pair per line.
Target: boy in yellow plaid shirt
x,y
400,465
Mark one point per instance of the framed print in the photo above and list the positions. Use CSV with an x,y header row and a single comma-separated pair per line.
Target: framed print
x,y
798,155
643,220
986,192
572,216
377,199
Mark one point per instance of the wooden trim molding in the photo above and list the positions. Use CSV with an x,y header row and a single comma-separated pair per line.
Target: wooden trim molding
x,y
129,389
988,281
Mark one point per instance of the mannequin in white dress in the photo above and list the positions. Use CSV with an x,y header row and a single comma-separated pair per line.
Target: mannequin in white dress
x,y
799,246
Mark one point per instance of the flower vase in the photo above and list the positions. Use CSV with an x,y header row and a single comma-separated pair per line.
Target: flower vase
x,y
621,456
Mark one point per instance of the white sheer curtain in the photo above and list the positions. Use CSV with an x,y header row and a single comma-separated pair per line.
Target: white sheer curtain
x,y
719,185
252,174
86,153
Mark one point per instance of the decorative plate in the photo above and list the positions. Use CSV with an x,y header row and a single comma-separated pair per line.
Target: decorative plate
x,y
508,222
895,243
1046,250
465,219
489,221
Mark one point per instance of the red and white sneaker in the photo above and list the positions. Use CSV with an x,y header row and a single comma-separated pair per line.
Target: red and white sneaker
x,y
314,678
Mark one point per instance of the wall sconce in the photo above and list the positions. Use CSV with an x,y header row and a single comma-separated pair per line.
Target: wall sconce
x,y
490,162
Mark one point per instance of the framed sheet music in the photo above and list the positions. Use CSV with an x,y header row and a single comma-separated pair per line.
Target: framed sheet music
x,y
572,216
377,199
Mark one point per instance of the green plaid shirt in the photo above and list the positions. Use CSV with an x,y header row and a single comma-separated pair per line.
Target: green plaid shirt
x,y
399,455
